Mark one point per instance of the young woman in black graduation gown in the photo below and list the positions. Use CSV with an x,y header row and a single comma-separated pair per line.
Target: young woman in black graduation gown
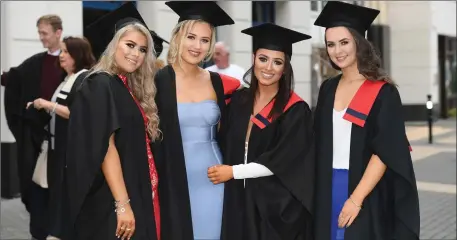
x,y
365,183
268,148
111,175
191,103
75,58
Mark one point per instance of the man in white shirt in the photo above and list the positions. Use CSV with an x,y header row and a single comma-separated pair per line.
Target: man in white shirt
x,y
222,63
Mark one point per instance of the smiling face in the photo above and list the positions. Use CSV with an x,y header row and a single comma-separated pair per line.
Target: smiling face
x,y
269,66
196,45
341,47
131,51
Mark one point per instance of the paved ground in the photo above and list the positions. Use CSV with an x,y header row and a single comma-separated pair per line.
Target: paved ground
x,y
435,167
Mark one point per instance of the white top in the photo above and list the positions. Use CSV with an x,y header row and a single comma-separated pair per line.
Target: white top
x,y
250,170
233,71
62,92
341,140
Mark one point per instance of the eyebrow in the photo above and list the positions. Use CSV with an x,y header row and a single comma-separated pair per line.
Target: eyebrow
x,y
344,39
262,55
131,41
193,34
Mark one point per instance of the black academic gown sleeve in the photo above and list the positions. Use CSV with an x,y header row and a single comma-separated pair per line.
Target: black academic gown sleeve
x,y
292,162
176,221
278,206
22,82
93,119
391,146
22,86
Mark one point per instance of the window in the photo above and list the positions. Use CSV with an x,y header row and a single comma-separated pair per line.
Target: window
x,y
360,3
317,6
314,6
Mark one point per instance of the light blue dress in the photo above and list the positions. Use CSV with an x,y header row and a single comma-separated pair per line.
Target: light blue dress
x,y
198,123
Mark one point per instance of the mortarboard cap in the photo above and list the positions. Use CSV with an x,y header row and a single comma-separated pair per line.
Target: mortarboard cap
x,y
158,43
207,11
341,14
101,32
273,37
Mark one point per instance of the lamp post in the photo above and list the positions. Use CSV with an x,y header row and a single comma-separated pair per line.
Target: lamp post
x,y
429,106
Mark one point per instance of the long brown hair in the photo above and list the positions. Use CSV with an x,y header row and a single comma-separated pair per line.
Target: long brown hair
x,y
368,59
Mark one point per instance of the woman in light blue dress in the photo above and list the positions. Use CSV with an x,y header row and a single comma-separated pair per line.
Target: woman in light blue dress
x,y
191,103
198,122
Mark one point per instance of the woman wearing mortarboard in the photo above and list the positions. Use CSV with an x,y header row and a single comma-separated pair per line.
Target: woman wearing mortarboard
x,y
191,103
111,175
268,147
365,182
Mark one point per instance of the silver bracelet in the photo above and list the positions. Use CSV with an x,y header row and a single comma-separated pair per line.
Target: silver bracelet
x,y
120,207
54,108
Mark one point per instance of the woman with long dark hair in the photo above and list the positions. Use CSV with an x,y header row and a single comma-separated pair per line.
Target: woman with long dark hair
x,y
268,147
75,58
365,182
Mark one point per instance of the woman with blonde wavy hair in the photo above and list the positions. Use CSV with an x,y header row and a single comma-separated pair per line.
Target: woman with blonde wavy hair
x,y
111,174
191,103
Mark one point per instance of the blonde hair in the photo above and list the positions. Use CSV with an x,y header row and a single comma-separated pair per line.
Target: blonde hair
x,y
141,81
179,33
159,64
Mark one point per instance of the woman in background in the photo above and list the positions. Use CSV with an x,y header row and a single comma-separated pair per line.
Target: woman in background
x,y
75,58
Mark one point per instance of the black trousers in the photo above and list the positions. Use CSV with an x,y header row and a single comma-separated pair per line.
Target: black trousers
x,y
39,211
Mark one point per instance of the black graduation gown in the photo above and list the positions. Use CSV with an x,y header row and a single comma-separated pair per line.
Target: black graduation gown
x,y
22,86
391,210
56,163
176,219
101,107
277,207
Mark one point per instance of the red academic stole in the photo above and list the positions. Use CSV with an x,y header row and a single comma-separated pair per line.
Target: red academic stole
x,y
363,101
262,120
153,175
230,85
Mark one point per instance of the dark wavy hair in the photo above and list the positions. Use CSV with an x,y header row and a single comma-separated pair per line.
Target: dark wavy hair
x,y
286,85
81,52
368,59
